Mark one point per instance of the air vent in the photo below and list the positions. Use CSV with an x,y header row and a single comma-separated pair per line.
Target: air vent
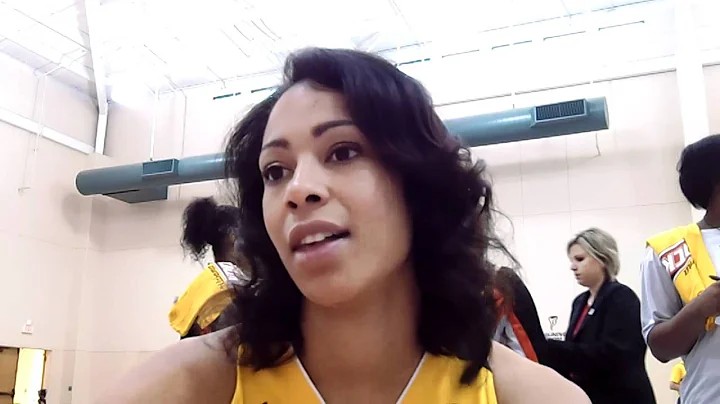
x,y
561,110
159,168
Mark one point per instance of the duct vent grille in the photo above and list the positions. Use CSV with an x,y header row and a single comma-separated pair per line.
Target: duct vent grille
x,y
159,168
560,110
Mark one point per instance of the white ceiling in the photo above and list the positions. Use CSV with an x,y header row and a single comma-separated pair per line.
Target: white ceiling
x,y
172,44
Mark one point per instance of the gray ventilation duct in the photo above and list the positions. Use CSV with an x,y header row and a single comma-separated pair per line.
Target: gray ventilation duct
x,y
149,181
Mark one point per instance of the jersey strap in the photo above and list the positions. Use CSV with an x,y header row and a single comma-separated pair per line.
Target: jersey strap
x,y
437,380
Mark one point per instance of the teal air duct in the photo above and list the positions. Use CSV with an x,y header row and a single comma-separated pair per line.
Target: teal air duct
x,y
149,181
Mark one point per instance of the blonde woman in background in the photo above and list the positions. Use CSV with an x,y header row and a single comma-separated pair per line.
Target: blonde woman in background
x,y
603,351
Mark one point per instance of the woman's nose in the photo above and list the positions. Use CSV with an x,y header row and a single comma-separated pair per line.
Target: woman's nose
x,y
307,187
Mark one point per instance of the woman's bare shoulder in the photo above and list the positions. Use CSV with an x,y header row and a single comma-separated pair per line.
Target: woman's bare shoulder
x,y
520,381
191,371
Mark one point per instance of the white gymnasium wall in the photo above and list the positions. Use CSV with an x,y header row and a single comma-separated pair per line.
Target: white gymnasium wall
x,y
139,266
43,228
712,92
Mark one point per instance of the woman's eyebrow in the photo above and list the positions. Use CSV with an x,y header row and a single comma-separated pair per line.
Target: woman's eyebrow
x,y
317,130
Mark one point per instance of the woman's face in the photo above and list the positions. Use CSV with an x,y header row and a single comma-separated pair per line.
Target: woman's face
x,y
588,271
336,216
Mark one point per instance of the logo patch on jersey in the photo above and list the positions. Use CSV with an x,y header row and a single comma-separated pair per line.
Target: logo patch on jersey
x,y
218,275
675,258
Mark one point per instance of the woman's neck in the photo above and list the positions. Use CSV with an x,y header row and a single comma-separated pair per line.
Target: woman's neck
x,y
711,220
594,290
712,215
367,350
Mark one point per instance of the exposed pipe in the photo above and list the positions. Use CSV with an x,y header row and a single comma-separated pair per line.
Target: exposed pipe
x,y
115,179
521,124
154,125
101,131
147,181
183,132
31,161
91,11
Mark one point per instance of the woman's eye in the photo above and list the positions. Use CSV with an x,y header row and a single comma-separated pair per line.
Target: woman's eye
x,y
273,173
343,153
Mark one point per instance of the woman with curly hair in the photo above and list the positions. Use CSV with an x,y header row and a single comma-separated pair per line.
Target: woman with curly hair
x,y
209,226
367,228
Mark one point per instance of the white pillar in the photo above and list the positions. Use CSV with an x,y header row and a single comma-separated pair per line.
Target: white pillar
x,y
691,79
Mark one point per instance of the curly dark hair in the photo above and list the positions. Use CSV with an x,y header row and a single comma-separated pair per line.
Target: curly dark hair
x,y
208,225
448,198
699,169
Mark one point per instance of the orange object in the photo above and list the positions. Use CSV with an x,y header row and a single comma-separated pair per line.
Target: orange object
x,y
518,329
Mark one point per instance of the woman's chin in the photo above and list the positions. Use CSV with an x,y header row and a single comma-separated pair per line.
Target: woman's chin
x,y
328,295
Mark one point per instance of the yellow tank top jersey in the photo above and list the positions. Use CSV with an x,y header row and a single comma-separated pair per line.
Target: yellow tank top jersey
x,y
435,381
204,300
683,254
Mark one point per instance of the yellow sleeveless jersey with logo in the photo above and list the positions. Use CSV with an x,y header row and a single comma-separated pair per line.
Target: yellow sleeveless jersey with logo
x,y
435,381
683,254
204,300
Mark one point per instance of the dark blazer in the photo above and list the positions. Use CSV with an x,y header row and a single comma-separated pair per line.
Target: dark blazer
x,y
607,356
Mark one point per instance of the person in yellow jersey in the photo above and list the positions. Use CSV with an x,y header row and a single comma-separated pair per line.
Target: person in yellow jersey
x,y
367,227
208,226
676,377
680,293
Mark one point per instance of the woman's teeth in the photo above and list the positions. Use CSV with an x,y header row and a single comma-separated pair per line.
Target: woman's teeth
x,y
314,238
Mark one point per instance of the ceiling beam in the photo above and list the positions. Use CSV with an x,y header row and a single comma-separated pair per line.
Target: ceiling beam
x,y
92,14
45,52
92,9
